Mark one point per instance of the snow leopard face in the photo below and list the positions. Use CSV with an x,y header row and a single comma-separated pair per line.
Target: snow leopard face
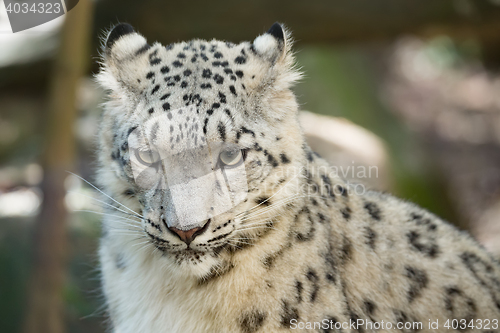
x,y
201,137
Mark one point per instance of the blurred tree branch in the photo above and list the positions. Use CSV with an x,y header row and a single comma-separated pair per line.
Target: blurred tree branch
x,y
45,310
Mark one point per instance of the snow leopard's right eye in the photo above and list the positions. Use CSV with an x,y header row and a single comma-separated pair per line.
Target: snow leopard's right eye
x,y
147,157
231,157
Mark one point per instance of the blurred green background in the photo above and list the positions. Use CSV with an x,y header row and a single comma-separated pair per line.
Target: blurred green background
x,y
422,76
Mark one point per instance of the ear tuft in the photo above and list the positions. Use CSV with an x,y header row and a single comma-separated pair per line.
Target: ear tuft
x,y
272,45
277,32
118,31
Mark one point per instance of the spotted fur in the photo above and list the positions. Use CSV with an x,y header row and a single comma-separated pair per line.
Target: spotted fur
x,y
300,247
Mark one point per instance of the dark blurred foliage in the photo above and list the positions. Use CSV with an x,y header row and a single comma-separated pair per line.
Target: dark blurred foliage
x,y
420,74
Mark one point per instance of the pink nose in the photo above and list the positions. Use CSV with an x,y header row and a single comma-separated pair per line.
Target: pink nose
x,y
187,236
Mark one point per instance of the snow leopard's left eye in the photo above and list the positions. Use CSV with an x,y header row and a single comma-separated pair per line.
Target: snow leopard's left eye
x,y
231,158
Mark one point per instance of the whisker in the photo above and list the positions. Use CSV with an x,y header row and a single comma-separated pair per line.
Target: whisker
x,y
278,203
105,203
271,195
259,227
95,187
105,214
240,242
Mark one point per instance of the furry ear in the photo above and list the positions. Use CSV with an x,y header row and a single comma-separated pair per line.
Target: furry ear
x,y
272,45
124,59
118,31
122,41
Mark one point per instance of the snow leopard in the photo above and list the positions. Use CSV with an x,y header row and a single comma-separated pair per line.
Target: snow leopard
x,y
220,218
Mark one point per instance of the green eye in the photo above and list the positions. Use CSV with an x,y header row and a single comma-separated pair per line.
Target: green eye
x,y
147,157
231,158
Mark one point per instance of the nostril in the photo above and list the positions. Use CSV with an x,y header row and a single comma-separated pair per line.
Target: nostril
x,y
187,236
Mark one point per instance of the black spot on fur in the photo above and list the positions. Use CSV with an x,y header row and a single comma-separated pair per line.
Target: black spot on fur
x,y
244,130
328,185
155,89
314,279
150,75
240,60
299,287
342,190
330,265
222,98
304,215
222,131
207,73
418,281
218,79
284,159
310,156
484,273
239,74
373,210
252,321
431,250
233,90
187,72
177,64
164,97
369,307
272,160
263,201
288,314
205,126
270,259
371,237
322,218
165,69
458,304
421,221
150,111
346,250
346,213
166,106
154,61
